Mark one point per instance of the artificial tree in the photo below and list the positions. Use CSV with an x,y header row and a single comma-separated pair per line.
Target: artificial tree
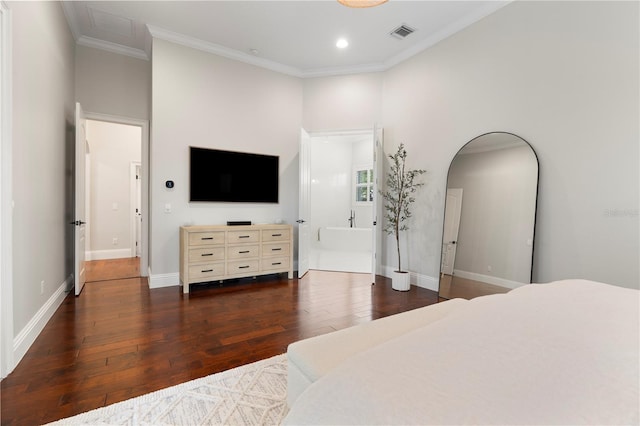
x,y
401,184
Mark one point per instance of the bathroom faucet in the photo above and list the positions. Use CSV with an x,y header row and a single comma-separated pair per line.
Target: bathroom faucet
x,y
352,219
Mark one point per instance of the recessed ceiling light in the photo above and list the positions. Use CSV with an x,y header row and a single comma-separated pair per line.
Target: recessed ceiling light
x,y
342,43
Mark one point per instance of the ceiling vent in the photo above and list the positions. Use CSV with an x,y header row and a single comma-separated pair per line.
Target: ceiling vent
x,y
402,32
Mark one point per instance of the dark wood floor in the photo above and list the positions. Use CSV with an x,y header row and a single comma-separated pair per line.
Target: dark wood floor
x,y
452,287
119,339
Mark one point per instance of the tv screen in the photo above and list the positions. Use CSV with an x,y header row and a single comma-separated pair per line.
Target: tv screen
x,y
217,175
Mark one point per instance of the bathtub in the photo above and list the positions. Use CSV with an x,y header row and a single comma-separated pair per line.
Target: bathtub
x,y
342,249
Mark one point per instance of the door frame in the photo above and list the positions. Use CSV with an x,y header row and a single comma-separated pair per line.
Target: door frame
x,y
378,213
7,357
144,164
373,132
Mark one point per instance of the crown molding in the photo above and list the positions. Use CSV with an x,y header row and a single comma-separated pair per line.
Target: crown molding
x,y
332,72
194,43
112,47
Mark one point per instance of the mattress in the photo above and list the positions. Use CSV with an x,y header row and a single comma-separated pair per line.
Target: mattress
x,y
558,353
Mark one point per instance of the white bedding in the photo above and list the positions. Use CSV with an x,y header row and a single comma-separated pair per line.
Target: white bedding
x,y
559,353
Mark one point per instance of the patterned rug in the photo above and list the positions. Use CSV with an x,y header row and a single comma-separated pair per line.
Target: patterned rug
x,y
252,394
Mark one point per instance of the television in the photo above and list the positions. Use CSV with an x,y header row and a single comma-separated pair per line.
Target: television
x,y
230,176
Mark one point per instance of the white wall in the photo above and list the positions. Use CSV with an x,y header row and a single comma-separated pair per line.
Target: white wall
x,y
43,117
113,148
498,212
208,101
330,192
342,102
109,83
563,76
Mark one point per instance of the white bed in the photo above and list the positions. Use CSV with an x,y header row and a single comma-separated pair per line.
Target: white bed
x,y
558,353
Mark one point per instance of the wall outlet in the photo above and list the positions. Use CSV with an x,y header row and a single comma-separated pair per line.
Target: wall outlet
x,y
42,287
489,268
115,241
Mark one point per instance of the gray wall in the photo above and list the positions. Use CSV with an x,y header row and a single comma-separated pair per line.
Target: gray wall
x,y
109,83
43,117
563,76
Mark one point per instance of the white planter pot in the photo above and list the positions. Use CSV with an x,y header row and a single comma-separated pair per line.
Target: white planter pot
x,y
400,281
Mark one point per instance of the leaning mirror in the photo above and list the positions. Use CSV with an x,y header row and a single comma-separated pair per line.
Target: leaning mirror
x,y
489,218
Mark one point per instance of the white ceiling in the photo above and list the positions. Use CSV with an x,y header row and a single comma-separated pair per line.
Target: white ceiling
x,y
294,37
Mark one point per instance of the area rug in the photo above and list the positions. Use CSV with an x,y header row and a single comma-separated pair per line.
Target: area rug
x,y
252,394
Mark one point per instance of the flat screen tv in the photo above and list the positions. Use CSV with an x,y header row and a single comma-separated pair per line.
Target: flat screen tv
x,y
229,176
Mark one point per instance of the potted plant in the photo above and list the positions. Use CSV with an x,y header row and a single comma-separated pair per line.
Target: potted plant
x,y
401,185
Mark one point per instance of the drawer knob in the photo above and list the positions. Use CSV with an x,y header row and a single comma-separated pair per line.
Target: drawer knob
x,y
207,270
243,251
243,267
276,235
277,263
206,254
276,249
244,236
206,238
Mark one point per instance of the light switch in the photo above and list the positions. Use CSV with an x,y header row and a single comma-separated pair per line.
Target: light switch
x,y
114,206
529,242
167,208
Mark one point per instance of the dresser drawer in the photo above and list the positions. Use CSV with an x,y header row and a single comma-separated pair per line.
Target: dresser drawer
x,y
275,263
276,235
245,267
243,237
206,270
206,254
275,249
242,252
205,238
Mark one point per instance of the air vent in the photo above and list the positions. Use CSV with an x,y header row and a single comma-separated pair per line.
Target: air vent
x,y
402,31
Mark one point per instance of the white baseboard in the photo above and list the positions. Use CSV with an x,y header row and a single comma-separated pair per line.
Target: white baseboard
x,y
23,341
419,280
488,279
425,281
163,280
107,254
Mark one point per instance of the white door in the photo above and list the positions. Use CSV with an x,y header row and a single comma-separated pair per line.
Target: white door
x,y
378,176
138,212
80,219
304,203
452,211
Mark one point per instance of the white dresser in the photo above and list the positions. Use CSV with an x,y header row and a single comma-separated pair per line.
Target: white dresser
x,y
219,252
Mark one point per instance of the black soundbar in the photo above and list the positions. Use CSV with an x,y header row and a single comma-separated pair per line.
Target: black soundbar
x,y
238,222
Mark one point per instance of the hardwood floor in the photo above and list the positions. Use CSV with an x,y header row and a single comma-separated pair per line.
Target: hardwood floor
x,y
119,339
112,269
452,287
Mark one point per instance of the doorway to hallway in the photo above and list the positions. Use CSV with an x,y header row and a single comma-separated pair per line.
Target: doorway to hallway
x,y
113,200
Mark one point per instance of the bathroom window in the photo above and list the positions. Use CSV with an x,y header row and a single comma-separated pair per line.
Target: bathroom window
x,y
363,185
